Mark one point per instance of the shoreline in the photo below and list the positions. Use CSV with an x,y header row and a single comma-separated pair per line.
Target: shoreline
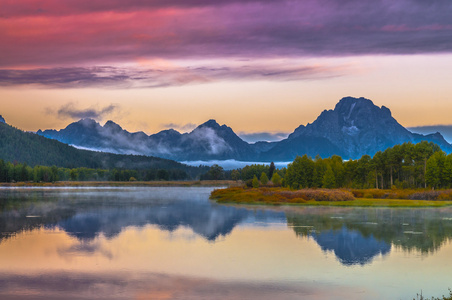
x,y
191,183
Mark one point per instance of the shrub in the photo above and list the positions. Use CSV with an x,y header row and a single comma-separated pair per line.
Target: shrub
x,y
249,183
255,182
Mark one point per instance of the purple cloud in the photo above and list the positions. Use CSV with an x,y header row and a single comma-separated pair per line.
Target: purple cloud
x,y
87,32
115,77
69,110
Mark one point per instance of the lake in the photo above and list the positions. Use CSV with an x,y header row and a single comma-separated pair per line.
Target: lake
x,y
174,243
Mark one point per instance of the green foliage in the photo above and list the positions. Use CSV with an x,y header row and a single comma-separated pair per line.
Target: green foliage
x,y
329,180
34,150
248,172
271,169
402,166
263,179
215,172
235,175
255,182
300,172
10,172
276,179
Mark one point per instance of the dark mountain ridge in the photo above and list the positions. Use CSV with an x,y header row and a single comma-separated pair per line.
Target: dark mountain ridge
x,y
353,128
32,149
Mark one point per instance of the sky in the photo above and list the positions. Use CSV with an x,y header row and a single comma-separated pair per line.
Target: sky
x,y
262,67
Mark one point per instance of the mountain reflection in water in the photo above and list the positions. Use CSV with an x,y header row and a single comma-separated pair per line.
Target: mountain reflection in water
x,y
350,246
355,236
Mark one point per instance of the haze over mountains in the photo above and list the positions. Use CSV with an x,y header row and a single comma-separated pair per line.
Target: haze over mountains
x,y
17,146
353,128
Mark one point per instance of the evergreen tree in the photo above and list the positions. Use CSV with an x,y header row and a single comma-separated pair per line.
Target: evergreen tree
x,y
264,178
276,179
235,175
255,182
434,170
216,172
329,180
271,169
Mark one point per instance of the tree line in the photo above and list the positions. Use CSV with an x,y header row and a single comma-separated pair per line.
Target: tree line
x,y
35,150
407,165
21,172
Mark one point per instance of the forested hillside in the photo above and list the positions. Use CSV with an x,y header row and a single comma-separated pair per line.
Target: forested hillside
x,y
32,149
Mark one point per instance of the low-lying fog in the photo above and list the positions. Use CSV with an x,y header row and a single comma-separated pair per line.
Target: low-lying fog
x,y
232,164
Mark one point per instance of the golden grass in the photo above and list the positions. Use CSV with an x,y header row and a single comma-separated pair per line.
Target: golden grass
x,y
312,197
279,195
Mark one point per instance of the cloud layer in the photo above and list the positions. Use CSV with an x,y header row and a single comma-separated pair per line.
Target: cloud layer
x,y
70,110
52,32
133,77
263,136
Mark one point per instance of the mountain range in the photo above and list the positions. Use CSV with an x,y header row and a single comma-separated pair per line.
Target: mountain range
x,y
353,128
32,149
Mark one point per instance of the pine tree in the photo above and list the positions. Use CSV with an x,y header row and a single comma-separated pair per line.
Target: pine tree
x,y
255,182
276,179
329,180
264,178
271,170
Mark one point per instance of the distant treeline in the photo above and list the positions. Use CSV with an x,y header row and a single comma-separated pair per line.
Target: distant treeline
x,y
247,173
15,172
402,166
35,150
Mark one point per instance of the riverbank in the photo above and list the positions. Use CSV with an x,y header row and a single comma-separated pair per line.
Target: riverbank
x,y
219,183
322,197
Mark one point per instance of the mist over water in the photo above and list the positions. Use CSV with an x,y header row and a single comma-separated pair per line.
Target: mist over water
x,y
232,164
175,243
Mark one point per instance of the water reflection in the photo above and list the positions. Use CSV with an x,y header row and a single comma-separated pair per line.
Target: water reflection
x,y
355,236
350,246
423,230
85,215
173,243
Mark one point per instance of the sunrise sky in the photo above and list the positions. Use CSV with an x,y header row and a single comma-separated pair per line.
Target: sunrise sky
x,y
255,65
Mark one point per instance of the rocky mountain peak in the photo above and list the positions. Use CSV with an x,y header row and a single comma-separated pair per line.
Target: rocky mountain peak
x,y
87,122
210,124
358,126
352,109
112,126
353,128
2,120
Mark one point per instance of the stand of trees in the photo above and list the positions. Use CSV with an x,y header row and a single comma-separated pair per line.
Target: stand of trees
x,y
15,172
246,174
408,165
402,166
34,150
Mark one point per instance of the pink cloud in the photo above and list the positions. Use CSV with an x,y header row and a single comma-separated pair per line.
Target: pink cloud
x,y
87,32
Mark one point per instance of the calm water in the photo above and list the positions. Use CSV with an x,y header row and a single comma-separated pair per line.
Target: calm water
x,y
173,243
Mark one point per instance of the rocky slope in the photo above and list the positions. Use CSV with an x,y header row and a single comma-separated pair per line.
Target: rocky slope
x,y
353,128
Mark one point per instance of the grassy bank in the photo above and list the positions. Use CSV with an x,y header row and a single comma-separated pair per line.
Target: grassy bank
x,y
321,197
121,183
